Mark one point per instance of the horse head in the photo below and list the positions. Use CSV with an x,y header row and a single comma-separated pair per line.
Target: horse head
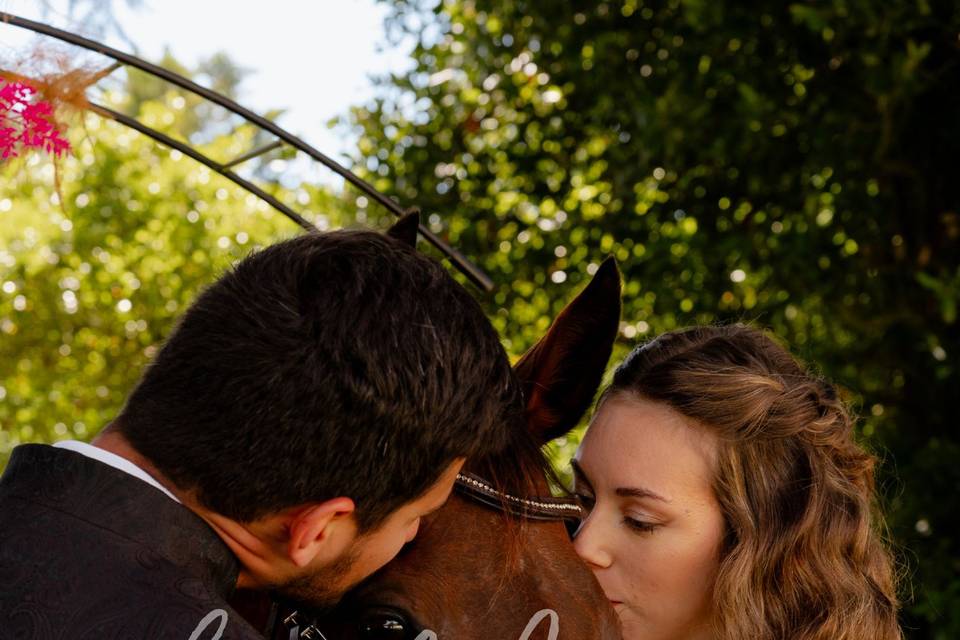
x,y
497,561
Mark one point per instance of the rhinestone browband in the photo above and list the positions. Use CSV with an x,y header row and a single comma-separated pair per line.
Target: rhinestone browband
x,y
539,508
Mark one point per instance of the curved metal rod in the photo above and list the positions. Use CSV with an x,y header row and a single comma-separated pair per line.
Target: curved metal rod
x,y
474,273
162,138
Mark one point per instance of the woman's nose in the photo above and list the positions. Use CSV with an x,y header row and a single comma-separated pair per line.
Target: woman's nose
x,y
590,544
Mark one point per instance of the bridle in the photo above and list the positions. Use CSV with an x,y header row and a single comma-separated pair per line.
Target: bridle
x,y
482,492
536,508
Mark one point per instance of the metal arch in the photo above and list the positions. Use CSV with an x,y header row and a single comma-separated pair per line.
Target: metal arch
x,y
470,270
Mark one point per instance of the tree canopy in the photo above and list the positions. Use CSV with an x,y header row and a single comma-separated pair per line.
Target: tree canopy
x,y
793,165
92,284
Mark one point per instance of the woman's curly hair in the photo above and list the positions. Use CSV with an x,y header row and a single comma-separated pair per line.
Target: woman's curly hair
x,y
803,557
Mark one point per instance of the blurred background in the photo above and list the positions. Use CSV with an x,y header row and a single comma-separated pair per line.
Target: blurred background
x,y
793,165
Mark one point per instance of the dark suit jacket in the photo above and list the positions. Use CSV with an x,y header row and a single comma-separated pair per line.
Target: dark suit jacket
x,y
88,552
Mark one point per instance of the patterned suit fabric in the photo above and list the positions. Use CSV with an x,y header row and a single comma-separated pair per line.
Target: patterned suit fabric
x,y
88,552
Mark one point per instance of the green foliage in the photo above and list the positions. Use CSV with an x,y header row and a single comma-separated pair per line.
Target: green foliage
x,y
788,164
89,287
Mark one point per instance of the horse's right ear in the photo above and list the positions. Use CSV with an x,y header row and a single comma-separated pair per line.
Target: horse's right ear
x,y
405,229
561,373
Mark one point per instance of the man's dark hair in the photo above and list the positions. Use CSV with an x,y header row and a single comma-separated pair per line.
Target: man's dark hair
x,y
342,363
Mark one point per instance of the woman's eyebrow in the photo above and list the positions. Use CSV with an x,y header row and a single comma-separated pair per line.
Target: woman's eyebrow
x,y
637,492
623,492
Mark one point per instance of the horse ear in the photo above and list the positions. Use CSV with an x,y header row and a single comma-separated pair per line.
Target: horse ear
x,y
405,229
561,373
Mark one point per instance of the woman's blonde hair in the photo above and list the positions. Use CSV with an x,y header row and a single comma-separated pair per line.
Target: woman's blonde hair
x,y
803,558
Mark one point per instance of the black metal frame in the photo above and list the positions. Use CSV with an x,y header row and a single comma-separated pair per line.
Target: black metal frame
x,y
470,270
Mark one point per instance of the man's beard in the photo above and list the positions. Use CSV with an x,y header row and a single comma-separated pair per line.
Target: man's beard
x,y
323,588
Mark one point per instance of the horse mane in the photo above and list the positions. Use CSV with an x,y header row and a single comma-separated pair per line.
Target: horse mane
x,y
519,470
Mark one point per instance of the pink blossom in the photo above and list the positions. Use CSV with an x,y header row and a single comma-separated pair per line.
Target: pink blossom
x,y
27,122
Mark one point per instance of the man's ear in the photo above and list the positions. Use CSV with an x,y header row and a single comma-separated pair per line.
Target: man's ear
x,y
561,373
405,229
321,529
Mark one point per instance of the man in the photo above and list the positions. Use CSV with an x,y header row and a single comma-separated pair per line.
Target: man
x,y
311,406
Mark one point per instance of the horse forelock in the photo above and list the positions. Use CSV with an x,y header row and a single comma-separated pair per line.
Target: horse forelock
x,y
521,470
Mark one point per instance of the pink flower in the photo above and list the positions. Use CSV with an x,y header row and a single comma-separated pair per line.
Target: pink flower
x,y
26,122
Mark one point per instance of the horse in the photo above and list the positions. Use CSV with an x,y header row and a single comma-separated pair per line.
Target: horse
x,y
496,561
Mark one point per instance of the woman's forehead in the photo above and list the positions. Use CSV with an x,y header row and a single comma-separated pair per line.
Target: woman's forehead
x,y
635,440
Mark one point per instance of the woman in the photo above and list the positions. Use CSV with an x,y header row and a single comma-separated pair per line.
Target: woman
x,y
725,497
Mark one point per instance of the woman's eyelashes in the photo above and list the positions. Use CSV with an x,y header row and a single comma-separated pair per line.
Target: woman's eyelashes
x,y
637,525
640,526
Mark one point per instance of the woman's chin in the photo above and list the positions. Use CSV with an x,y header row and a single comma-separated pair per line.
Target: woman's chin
x,y
630,622
624,612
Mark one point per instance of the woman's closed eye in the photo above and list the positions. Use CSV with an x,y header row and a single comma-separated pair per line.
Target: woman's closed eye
x,y
636,524
640,526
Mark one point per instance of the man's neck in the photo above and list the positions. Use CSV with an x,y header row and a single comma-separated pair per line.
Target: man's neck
x,y
239,540
117,444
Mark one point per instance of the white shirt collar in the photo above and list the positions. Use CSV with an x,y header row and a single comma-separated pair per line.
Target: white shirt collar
x,y
113,460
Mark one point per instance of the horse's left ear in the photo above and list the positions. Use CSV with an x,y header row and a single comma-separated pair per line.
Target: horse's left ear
x,y
405,229
561,373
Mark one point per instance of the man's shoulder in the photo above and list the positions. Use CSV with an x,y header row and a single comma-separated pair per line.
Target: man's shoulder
x,y
113,567
154,621
109,588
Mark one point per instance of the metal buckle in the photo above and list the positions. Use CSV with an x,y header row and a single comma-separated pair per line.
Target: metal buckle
x,y
309,632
